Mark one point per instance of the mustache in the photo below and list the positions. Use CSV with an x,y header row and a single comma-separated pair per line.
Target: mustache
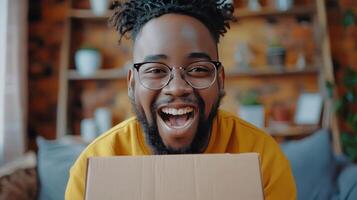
x,y
167,100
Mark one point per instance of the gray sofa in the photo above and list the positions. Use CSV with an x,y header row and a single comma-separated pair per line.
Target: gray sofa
x,y
319,174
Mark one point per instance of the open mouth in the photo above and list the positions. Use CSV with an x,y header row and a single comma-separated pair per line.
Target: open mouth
x,y
177,117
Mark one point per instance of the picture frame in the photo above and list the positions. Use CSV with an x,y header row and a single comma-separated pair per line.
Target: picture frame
x,y
308,109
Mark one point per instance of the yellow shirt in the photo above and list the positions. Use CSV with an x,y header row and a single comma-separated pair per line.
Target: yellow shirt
x,y
229,135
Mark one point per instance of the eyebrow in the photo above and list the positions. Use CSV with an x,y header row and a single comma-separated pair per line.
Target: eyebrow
x,y
156,57
199,55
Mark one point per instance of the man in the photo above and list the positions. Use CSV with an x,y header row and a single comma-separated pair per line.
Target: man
x,y
175,87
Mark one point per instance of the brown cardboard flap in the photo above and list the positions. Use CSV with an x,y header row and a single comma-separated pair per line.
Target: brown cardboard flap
x,y
175,177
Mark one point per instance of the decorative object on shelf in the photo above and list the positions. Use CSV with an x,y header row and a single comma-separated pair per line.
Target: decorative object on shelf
x,y
99,7
284,5
280,115
301,61
88,60
276,55
243,55
88,130
103,119
276,51
250,108
254,5
308,109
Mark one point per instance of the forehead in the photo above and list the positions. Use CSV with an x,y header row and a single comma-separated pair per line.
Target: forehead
x,y
175,36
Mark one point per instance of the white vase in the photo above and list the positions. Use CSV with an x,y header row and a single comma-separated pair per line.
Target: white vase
x,y
243,55
253,114
283,4
103,119
254,5
99,7
87,61
88,130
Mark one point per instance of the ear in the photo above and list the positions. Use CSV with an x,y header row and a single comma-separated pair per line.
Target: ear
x,y
131,83
221,78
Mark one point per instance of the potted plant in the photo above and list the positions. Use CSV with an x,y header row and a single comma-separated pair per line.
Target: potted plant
x,y
344,95
276,55
87,60
251,109
345,103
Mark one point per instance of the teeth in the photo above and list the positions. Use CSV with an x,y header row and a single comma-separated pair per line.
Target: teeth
x,y
180,111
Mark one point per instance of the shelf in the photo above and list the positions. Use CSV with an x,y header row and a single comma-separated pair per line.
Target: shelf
x,y
87,14
297,130
103,74
120,74
239,13
266,71
270,12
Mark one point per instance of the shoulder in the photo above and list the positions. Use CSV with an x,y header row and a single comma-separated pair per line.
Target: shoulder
x,y
274,164
249,138
231,122
108,143
122,129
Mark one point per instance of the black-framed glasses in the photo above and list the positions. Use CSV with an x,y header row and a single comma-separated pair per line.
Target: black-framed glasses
x,y
156,75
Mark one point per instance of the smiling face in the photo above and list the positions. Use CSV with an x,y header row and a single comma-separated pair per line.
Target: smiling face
x,y
176,118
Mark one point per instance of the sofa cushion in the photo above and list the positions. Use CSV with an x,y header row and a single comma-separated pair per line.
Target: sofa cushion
x,y
347,183
55,157
20,185
313,165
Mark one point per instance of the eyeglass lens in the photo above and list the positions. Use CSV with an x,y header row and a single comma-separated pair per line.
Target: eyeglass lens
x,y
157,75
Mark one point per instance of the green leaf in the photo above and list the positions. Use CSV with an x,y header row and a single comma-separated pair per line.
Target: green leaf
x,y
349,18
349,143
350,78
352,121
338,105
330,89
249,98
350,96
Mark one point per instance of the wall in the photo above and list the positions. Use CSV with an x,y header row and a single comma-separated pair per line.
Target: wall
x,y
14,81
3,30
46,26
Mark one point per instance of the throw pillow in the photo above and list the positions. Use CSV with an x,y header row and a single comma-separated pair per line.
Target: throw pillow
x,y
313,165
347,183
55,157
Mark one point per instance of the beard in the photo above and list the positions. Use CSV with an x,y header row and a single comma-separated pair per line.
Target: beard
x,y
202,134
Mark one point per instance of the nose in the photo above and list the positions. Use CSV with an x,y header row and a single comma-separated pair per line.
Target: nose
x,y
177,86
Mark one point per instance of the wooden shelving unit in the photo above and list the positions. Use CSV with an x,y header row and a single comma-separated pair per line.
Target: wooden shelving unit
x,y
293,130
68,75
87,14
268,12
266,71
103,74
120,74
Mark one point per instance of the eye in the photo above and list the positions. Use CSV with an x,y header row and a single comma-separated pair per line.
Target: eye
x,y
198,69
155,70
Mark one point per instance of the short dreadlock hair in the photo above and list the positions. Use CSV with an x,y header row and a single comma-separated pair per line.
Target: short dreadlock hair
x,y
132,15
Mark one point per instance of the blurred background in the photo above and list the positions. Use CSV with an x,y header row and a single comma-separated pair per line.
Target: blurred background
x,y
291,69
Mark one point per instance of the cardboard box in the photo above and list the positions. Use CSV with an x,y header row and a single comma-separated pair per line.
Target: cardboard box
x,y
175,177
